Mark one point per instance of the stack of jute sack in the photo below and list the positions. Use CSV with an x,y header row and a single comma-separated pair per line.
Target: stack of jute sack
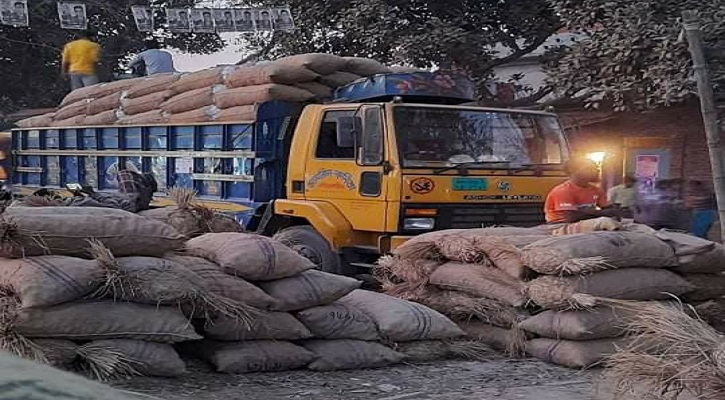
x,y
227,93
308,318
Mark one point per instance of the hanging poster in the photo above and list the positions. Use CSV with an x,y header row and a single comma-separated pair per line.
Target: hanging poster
x,y
178,19
283,19
224,19
263,19
244,20
202,20
646,170
144,18
14,12
73,16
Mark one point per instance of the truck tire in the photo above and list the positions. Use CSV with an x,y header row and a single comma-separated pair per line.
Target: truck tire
x,y
308,243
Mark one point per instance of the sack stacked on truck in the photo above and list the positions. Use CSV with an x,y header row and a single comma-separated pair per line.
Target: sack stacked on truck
x,y
227,93
318,320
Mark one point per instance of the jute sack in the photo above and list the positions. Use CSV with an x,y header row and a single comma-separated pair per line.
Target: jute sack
x,y
321,63
339,78
106,103
254,356
50,280
39,121
252,257
147,118
522,241
222,223
250,95
320,90
58,353
152,84
399,320
270,73
101,119
596,251
30,380
264,326
149,102
364,66
462,307
95,320
183,219
335,355
599,323
436,350
188,101
216,281
204,114
573,354
589,225
339,321
713,312
695,255
66,230
481,281
483,249
131,357
237,114
705,287
197,80
71,110
80,94
309,289
626,284
72,122
502,339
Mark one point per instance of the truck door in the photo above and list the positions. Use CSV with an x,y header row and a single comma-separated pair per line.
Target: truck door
x,y
347,171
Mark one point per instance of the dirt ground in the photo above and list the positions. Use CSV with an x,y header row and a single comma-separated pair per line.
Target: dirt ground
x,y
499,379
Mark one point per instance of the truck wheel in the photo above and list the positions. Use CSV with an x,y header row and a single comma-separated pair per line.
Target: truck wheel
x,y
308,243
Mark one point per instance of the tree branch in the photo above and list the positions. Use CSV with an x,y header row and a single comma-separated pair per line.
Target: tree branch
x,y
520,52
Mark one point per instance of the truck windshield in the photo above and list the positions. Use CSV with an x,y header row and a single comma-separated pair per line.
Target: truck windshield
x,y
435,137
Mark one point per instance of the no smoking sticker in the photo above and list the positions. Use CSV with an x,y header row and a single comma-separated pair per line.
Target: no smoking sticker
x,y
422,185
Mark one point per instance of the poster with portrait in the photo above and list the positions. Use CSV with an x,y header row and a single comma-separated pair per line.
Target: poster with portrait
x,y
202,20
244,20
73,16
144,18
14,12
646,171
283,19
178,19
224,19
263,19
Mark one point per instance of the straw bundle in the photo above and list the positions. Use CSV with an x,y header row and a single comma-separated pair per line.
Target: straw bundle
x,y
433,350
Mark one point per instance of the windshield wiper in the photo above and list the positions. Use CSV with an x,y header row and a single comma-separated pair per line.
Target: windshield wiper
x,y
462,166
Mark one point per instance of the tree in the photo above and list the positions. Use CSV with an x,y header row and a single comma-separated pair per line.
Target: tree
x,y
469,35
635,57
30,57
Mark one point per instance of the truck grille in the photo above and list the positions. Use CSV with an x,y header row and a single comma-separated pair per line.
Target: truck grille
x,y
465,216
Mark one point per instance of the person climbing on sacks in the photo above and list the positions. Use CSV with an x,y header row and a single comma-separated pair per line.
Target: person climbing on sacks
x,y
578,198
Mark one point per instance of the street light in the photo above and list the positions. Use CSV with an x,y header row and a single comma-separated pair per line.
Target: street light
x,y
598,157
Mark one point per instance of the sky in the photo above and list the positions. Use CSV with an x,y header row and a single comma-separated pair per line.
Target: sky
x,y
186,62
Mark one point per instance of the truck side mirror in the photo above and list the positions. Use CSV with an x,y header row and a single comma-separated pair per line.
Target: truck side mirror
x,y
349,130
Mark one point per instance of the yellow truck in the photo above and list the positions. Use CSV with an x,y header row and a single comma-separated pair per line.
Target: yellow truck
x,y
394,156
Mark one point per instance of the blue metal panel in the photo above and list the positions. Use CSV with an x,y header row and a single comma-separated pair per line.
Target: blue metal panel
x,y
437,86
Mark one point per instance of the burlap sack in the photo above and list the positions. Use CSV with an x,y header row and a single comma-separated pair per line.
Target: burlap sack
x,y
321,63
496,337
713,312
71,110
309,289
599,323
250,95
140,105
197,80
596,251
148,118
101,119
96,320
483,249
58,353
183,219
50,280
399,69
222,223
705,287
522,241
40,121
66,231
335,355
106,103
364,66
463,307
320,90
480,281
187,101
214,280
339,78
72,122
271,73
88,92
339,321
264,326
400,320
252,257
152,84
695,255
573,354
146,358
626,284
237,114
204,114
254,356
588,225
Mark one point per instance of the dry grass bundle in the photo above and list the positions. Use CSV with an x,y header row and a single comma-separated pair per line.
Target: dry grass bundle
x,y
105,363
10,340
419,250
434,350
552,292
671,353
551,262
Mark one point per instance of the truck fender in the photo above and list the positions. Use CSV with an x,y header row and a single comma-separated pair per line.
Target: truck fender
x,y
322,216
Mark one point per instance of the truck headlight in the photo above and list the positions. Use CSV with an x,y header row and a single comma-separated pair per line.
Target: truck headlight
x,y
418,224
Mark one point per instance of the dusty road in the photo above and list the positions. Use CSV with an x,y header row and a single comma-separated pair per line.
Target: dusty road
x,y
498,379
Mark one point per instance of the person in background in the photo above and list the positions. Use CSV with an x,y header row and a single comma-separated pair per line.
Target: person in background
x,y
623,196
155,60
578,199
80,59
700,201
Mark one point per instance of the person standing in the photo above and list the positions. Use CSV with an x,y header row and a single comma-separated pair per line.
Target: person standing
x,y
80,59
624,195
155,60
701,202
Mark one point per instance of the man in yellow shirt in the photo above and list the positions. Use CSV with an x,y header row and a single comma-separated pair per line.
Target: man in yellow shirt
x,y
80,58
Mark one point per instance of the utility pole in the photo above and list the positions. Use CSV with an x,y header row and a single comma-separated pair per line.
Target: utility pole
x,y
707,104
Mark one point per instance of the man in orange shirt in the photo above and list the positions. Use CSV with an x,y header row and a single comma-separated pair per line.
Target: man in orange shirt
x,y
578,199
80,58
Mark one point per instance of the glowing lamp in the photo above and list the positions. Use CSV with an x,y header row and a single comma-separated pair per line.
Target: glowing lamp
x,y
597,156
